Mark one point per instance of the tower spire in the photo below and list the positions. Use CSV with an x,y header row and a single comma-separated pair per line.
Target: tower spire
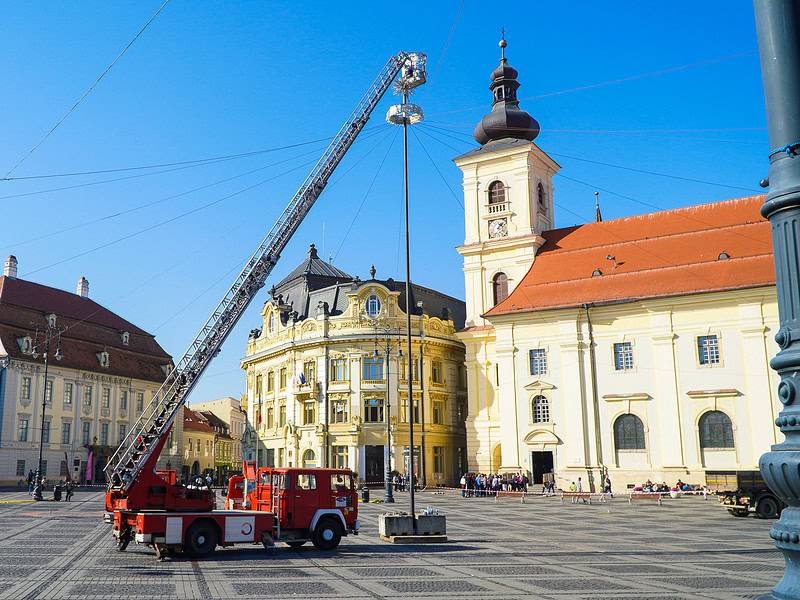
x,y
597,216
503,44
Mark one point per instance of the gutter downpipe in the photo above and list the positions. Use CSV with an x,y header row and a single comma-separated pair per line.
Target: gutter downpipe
x,y
595,397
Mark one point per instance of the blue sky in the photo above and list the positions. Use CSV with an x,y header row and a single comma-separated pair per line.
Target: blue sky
x,y
680,94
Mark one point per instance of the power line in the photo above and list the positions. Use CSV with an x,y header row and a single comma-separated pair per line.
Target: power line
x,y
435,166
366,194
199,161
615,166
88,91
618,80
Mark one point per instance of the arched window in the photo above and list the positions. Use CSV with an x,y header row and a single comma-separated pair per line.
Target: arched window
x,y
540,195
500,287
309,459
373,306
497,192
540,410
628,433
716,430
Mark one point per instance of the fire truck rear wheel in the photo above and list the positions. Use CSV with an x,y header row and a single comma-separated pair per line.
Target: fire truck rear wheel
x,y
201,539
767,508
327,534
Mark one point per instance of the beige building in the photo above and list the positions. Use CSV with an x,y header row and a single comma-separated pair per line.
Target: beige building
x,y
230,411
324,375
198,444
109,370
634,347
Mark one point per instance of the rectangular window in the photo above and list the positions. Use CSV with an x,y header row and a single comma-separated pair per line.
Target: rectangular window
x,y
623,356
46,432
259,385
25,393
123,400
339,458
309,412
338,369
122,431
68,391
87,395
140,401
282,383
281,457
306,481
104,434
373,410
708,349
21,468
310,371
48,391
436,372
106,397
23,429
282,415
270,457
86,433
438,412
415,369
404,411
271,381
66,431
438,459
64,470
372,369
538,358
339,411
270,417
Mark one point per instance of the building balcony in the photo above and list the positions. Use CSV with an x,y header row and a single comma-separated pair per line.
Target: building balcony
x,y
497,210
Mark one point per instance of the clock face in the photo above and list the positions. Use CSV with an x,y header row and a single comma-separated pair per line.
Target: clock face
x,y
498,228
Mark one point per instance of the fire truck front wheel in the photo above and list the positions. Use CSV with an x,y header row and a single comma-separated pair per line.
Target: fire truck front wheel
x,y
201,539
327,534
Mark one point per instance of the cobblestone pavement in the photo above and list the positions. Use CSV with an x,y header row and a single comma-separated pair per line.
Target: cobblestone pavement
x,y
687,548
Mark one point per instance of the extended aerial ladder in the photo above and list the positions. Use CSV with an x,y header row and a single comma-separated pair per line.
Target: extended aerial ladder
x,y
132,480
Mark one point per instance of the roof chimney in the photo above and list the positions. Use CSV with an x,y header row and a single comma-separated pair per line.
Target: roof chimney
x,y
83,287
10,266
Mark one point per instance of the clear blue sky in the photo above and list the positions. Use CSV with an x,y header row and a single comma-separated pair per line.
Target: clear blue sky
x,y
211,79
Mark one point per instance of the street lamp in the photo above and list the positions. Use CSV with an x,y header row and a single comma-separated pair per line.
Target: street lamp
x,y
388,494
50,333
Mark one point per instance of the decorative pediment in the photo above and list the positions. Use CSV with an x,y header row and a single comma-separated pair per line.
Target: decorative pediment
x,y
539,386
542,436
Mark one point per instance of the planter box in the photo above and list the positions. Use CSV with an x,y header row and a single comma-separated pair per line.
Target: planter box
x,y
398,527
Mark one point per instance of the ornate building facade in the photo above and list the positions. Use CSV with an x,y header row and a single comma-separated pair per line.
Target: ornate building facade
x,y
325,375
635,347
109,370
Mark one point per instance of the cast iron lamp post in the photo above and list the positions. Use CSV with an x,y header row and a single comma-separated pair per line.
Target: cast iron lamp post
x,y
778,27
50,333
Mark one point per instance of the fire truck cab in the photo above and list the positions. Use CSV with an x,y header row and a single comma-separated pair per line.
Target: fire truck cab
x,y
309,504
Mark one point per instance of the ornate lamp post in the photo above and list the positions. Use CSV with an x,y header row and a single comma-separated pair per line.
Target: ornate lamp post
x,y
778,27
50,333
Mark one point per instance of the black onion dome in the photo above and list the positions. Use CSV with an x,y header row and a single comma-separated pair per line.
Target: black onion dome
x,y
506,119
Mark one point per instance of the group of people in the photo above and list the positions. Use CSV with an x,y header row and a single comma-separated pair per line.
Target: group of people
x,y
401,482
481,484
36,487
649,486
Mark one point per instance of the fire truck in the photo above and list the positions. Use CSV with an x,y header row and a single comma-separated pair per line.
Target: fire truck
x,y
292,505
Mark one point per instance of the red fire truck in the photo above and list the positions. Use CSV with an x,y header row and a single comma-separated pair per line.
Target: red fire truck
x,y
291,505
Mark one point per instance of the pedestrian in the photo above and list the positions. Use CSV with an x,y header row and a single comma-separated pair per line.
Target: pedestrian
x,y
209,480
463,484
579,489
70,491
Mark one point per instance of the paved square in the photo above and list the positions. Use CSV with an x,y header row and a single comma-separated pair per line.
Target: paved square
x,y
687,548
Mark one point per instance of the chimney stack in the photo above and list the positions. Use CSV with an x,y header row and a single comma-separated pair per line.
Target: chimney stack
x,y
10,267
83,287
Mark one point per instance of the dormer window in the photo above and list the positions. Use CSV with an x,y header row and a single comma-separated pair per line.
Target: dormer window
x,y
166,369
25,344
271,323
103,359
126,338
51,319
497,192
373,307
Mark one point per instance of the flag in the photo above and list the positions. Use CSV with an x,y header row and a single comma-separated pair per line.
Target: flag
x,y
301,378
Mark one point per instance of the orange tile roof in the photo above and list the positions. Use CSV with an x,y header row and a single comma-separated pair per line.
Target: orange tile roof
x,y
668,253
195,421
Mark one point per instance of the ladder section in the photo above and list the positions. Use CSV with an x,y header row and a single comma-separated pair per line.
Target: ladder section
x,y
154,422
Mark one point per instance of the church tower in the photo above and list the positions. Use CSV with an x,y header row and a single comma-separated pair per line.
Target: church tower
x,y
508,197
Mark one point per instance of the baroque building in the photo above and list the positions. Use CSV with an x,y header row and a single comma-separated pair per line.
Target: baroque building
x,y
109,370
327,373
635,347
